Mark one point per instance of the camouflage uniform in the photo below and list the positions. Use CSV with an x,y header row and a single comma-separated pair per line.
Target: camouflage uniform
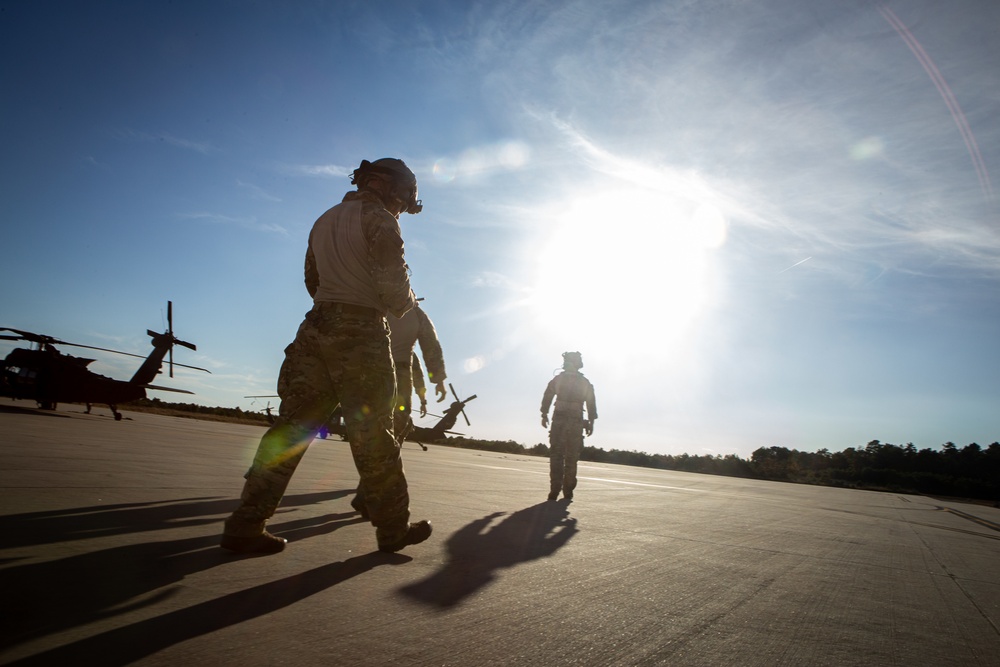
x,y
355,272
406,331
572,391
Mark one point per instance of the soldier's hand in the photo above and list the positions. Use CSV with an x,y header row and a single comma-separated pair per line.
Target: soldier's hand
x,y
440,391
545,421
423,407
590,427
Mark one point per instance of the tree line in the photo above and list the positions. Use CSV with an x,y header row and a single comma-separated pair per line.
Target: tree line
x,y
967,472
971,471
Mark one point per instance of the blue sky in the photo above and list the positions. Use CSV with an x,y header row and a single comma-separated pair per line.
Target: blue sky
x,y
766,223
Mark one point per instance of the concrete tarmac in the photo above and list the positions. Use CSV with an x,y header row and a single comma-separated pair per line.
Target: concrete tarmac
x,y
109,556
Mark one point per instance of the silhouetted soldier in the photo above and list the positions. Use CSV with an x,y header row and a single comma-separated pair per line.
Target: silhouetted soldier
x,y
572,392
355,272
405,332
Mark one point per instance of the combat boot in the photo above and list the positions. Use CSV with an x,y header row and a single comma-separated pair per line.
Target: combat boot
x,y
553,495
265,543
415,534
358,503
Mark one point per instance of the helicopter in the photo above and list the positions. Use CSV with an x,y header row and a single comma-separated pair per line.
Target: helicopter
x,y
443,427
268,411
417,434
47,376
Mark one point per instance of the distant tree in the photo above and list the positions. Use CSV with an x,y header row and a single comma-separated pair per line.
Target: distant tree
x,y
773,463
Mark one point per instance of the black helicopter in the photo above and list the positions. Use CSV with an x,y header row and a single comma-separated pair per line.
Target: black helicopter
x,y
48,377
417,434
447,422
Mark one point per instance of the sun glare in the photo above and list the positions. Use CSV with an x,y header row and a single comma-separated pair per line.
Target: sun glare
x,y
626,270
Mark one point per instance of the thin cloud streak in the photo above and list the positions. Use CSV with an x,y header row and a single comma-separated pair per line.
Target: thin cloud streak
x,y
257,192
246,223
320,170
795,264
203,148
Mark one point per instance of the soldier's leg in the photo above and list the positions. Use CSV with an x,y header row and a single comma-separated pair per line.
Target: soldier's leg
x,y
365,381
574,446
307,399
377,454
557,460
401,425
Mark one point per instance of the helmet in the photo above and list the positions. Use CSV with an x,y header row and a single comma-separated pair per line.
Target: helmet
x,y
404,182
572,360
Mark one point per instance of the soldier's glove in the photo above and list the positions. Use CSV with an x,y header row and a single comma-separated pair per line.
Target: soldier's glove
x,y
439,389
545,421
423,407
590,427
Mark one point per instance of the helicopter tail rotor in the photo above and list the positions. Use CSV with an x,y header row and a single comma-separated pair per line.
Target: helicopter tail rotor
x,y
170,339
455,394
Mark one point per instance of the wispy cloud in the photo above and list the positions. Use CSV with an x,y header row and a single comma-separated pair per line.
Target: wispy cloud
x,y
202,147
821,210
92,161
246,223
493,279
318,170
816,135
256,192
477,162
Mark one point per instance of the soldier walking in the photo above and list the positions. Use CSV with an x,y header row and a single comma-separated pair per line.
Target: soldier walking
x,y
356,274
572,392
405,332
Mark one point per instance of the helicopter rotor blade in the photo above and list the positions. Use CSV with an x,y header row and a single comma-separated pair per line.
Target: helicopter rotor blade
x,y
455,394
42,339
55,341
39,339
170,332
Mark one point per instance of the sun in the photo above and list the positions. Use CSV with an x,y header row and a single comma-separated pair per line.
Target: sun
x,y
627,270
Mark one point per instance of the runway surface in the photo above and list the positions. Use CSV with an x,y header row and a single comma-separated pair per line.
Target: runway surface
x,y
109,556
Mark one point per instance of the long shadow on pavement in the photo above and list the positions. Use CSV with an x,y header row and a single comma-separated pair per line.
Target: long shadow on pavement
x,y
41,599
30,528
478,550
125,645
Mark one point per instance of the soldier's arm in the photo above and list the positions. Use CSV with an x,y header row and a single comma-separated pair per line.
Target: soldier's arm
x,y
418,383
389,270
550,393
591,403
417,371
430,348
312,273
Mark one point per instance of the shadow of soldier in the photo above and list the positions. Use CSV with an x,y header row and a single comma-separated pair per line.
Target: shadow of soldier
x,y
478,550
127,644
87,523
52,596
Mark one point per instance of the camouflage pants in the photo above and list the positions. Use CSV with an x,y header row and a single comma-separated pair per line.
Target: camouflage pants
x,y
401,410
336,358
565,445
402,423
